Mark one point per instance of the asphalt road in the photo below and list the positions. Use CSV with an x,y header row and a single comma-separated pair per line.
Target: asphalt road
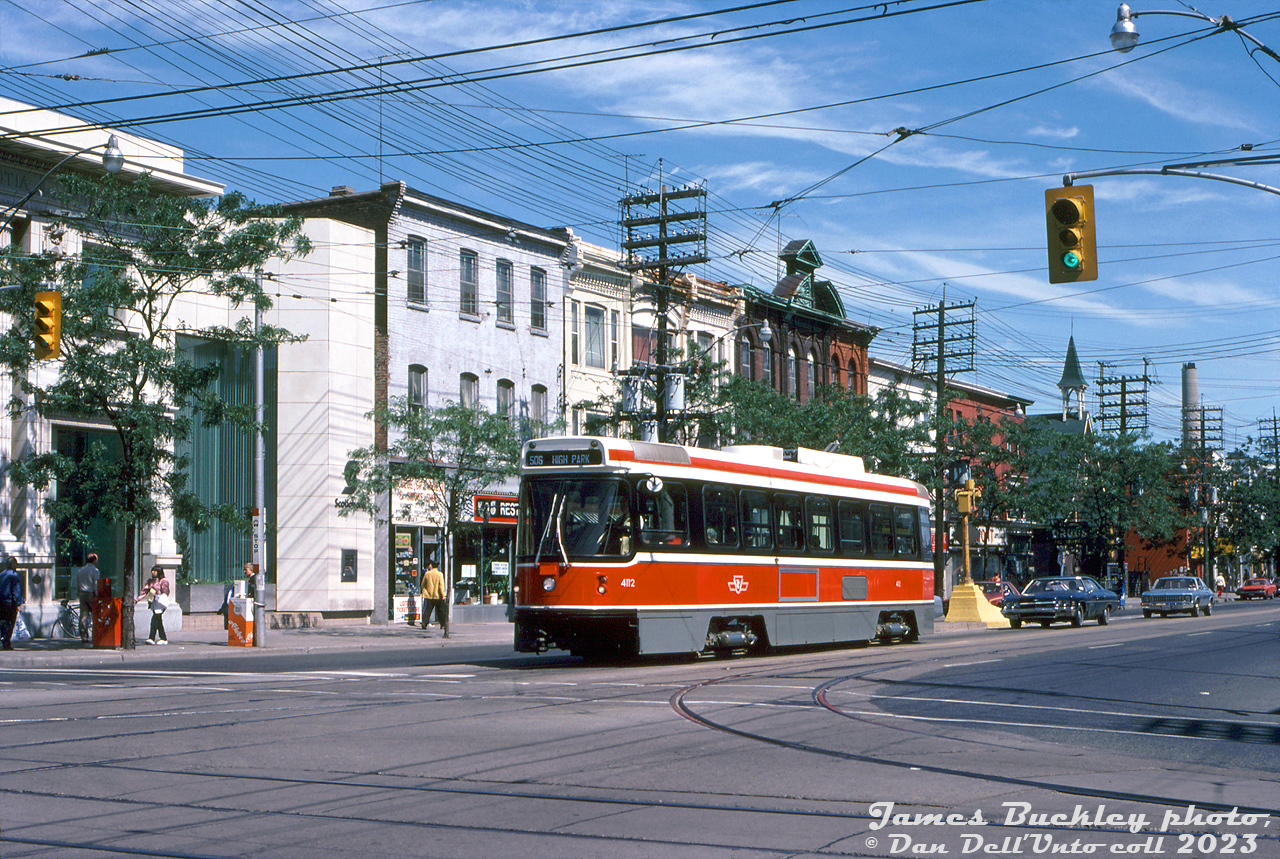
x,y
394,746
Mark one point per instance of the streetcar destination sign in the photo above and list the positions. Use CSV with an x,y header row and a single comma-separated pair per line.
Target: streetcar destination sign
x,y
536,458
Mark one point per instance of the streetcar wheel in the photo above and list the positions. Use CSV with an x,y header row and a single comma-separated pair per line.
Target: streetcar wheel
x,y
1077,618
1105,617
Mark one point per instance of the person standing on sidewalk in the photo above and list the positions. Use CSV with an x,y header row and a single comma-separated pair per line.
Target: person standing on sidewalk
x,y
10,601
87,585
156,586
434,597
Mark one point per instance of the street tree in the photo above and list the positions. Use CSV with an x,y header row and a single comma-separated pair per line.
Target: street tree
x,y
993,450
1248,510
434,462
1100,488
129,299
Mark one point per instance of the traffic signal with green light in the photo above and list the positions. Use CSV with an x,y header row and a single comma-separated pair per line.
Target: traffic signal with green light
x,y
1073,244
48,325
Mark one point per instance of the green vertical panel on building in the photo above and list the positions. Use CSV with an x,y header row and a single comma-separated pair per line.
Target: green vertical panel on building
x,y
220,467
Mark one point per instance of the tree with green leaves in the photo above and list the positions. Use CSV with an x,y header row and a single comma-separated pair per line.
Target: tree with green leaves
x,y
993,449
130,299
1105,486
435,462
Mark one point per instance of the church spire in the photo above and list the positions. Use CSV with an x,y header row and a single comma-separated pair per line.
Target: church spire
x,y
1072,381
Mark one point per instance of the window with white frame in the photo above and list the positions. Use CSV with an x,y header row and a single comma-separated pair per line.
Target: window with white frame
x,y
506,298
468,283
538,407
538,299
469,390
797,369
593,331
573,332
506,398
416,270
613,338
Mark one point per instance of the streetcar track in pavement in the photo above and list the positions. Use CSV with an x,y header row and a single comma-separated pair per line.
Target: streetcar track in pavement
x,y
679,702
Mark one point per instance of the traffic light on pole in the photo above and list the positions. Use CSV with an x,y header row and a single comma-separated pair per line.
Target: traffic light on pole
x,y
1073,244
48,325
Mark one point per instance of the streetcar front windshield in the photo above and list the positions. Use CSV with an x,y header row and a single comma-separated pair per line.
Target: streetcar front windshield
x,y
581,517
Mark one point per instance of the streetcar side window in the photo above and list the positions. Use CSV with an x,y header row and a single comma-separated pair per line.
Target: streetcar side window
x,y
757,531
790,522
820,525
881,531
853,538
664,517
906,540
720,517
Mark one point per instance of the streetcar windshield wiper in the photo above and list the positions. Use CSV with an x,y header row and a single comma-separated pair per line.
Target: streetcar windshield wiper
x,y
556,501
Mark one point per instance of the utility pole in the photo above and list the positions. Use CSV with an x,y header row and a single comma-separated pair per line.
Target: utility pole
x,y
1210,441
259,481
680,218
1122,401
952,352
1269,440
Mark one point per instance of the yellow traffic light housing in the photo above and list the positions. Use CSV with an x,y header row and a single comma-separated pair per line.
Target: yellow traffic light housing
x,y
1073,244
48,339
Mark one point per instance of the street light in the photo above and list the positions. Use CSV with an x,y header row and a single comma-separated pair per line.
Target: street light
x,y
1124,33
112,162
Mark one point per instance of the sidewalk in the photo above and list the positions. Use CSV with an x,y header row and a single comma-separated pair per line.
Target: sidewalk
x,y
55,652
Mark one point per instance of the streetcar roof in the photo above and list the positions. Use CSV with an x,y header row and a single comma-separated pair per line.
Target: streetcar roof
x,y
762,461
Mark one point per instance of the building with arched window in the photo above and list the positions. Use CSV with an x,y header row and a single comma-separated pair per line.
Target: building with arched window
x,y
813,343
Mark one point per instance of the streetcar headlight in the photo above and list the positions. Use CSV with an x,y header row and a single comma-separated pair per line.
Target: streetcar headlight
x,y
549,583
602,584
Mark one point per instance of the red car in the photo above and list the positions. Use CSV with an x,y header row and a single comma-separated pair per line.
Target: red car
x,y
1263,589
997,591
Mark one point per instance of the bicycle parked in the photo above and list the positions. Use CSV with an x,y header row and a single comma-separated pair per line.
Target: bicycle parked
x,y
68,623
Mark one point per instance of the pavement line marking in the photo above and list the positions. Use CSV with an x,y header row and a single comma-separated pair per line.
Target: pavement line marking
x,y
1194,634
1010,705
962,664
1103,646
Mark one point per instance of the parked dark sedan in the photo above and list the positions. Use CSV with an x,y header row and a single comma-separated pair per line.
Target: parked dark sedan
x,y
1074,598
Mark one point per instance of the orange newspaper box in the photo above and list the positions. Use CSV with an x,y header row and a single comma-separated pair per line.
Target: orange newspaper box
x,y
239,622
106,622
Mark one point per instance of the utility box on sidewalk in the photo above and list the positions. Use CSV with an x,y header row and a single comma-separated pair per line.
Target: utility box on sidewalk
x,y
106,622
239,622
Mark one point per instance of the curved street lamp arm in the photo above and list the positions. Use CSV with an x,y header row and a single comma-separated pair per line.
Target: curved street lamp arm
x,y
1224,23
1069,179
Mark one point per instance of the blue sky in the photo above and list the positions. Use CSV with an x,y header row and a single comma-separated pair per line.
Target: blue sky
x,y
788,112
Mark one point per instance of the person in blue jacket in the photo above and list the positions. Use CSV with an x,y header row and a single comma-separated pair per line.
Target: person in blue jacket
x,y
10,600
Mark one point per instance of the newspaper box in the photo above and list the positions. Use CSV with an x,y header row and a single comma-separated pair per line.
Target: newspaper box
x,y
106,621
240,622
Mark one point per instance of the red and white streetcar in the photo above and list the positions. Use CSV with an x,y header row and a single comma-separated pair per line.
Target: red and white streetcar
x,y
629,547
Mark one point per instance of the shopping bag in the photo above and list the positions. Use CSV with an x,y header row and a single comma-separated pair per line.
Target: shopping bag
x,y
20,631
